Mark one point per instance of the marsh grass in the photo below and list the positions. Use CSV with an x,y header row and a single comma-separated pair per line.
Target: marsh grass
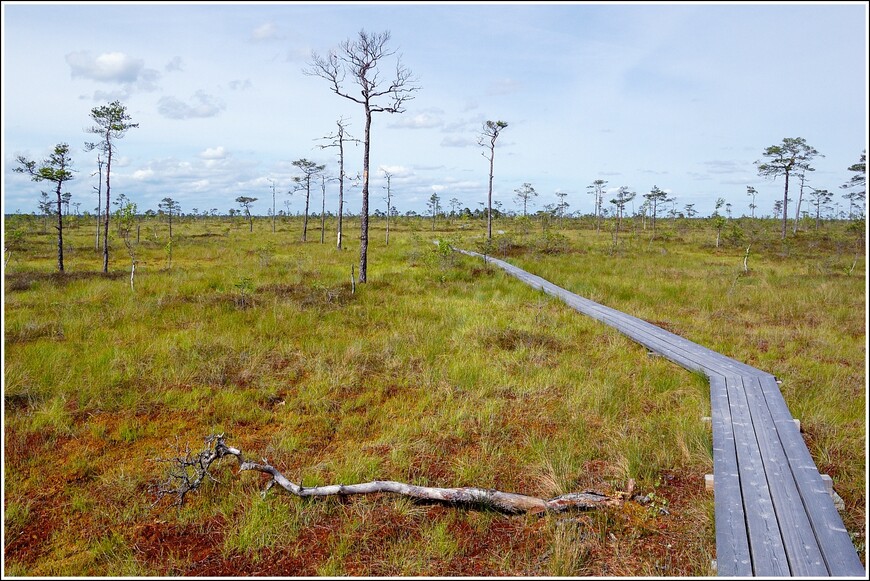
x,y
439,371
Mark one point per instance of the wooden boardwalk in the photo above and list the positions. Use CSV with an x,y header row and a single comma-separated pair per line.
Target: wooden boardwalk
x,y
774,515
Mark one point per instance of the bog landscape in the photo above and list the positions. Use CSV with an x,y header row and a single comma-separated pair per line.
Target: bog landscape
x,y
357,392
440,371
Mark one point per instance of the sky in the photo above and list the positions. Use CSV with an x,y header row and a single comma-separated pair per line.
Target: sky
x,y
683,96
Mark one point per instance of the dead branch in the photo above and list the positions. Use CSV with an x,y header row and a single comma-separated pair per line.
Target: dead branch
x,y
188,472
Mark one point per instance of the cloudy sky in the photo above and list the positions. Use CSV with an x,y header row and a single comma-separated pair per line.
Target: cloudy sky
x,y
685,97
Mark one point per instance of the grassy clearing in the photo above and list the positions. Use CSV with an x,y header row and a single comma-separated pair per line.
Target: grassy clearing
x,y
440,371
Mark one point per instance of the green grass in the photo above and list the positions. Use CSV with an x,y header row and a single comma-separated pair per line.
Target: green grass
x,y
439,371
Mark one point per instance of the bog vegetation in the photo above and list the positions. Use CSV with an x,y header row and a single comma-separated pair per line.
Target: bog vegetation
x,y
439,371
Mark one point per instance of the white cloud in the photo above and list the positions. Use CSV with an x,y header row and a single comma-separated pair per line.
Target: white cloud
x,y
110,67
113,67
218,152
143,174
394,169
426,120
203,105
266,31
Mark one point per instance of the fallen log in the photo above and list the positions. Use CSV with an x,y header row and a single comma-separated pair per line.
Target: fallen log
x,y
190,471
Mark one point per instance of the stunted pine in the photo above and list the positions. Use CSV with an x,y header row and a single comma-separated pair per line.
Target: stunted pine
x,y
309,170
488,135
792,156
57,168
111,123
170,207
245,202
656,198
857,186
524,195
623,197
596,188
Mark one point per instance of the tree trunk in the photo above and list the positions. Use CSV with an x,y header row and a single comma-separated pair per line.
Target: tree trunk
x,y
59,229
489,199
785,208
305,217
598,201
364,213
340,186
323,212
106,222
797,211
389,202
99,199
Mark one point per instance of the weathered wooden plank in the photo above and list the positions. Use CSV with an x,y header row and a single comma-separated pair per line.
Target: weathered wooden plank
x,y
732,543
774,516
765,541
837,549
801,545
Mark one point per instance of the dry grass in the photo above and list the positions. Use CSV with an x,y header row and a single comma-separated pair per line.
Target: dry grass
x,y
439,371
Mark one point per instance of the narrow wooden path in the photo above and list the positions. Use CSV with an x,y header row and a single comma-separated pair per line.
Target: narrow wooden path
x,y
774,515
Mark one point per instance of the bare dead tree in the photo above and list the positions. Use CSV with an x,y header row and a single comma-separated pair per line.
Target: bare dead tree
x,y
99,189
359,60
388,200
189,471
338,140
323,180
273,203
802,176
